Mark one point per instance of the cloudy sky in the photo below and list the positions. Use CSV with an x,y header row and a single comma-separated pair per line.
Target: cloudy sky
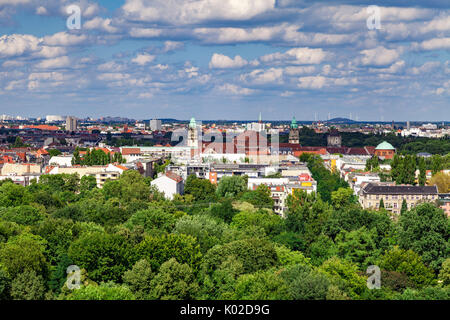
x,y
226,59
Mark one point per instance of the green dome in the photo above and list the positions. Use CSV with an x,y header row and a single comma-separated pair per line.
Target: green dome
x,y
294,123
192,124
385,146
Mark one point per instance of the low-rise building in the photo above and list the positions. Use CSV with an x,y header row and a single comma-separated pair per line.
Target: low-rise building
x,y
23,180
385,150
20,168
393,195
62,161
170,184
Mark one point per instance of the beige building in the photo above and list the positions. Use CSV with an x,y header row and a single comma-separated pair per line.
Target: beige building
x,y
20,169
101,173
102,177
281,188
71,124
371,194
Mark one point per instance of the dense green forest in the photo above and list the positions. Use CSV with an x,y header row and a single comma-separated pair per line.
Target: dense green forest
x,y
219,242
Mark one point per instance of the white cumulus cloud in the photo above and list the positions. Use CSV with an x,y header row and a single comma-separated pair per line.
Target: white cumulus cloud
x,y
220,61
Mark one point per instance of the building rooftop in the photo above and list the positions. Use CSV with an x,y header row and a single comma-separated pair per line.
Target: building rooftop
x,y
174,176
402,189
385,146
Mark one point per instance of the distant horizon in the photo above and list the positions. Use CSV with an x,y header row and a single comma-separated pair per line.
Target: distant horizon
x,y
342,119
227,59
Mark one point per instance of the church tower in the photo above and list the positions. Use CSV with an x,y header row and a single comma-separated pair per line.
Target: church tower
x,y
294,136
192,134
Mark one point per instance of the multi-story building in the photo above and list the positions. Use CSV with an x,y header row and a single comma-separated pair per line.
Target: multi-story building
x,y
281,188
242,169
357,179
61,161
102,177
23,180
176,153
20,168
71,124
393,195
101,173
155,125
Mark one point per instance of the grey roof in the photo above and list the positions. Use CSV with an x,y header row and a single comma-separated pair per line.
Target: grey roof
x,y
402,189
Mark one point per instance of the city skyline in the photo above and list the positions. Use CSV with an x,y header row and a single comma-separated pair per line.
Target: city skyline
x,y
226,60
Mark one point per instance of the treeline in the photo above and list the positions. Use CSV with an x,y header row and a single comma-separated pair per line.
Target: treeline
x,y
96,157
131,243
404,167
327,181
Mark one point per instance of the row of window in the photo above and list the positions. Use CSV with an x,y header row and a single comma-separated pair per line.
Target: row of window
x,y
400,197
389,205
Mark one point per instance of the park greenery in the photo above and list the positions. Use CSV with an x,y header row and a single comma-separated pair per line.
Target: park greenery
x,y
404,167
214,242
95,157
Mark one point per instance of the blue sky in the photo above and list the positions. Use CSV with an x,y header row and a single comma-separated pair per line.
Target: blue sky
x,y
226,59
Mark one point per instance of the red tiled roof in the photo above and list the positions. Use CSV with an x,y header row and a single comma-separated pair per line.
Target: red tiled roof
x,y
48,169
121,167
370,149
41,152
174,176
128,151
43,127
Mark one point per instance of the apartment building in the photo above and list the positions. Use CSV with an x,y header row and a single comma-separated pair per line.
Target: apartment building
x,y
393,196
20,168
102,177
281,188
100,173
358,179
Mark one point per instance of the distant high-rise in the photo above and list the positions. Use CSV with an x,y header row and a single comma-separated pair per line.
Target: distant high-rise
x,y
71,124
408,125
155,125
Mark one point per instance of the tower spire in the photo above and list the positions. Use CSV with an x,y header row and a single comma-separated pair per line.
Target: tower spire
x,y
294,123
